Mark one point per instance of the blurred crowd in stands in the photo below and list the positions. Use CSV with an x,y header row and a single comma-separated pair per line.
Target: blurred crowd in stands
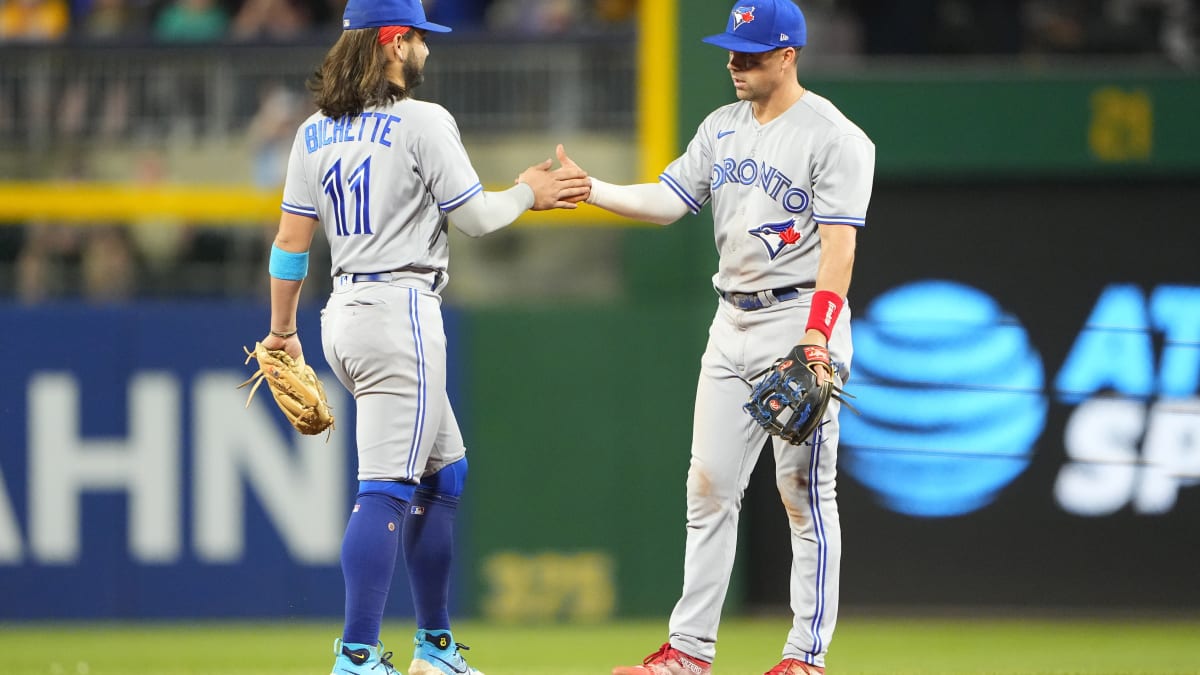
x,y
215,20
43,261
1167,27
1126,27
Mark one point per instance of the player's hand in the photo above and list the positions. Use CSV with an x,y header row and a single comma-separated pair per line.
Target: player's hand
x,y
291,345
568,163
823,372
552,188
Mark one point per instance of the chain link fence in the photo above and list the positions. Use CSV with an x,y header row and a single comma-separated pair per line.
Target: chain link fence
x,y
51,96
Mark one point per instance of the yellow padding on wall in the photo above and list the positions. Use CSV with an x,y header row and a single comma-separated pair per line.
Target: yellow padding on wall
x,y
86,204
107,203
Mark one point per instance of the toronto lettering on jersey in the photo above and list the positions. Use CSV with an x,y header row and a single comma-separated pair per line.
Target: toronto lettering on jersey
x,y
327,131
774,182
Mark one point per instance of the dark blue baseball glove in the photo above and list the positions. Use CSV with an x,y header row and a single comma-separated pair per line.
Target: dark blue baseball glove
x,y
787,401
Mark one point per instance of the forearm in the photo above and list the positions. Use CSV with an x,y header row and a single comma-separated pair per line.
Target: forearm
x,y
834,272
487,212
833,278
285,299
288,269
649,202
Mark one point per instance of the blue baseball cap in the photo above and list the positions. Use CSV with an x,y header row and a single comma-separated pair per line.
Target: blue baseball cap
x,y
376,13
762,25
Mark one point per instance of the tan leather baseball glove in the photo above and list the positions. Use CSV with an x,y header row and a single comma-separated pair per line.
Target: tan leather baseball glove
x,y
295,387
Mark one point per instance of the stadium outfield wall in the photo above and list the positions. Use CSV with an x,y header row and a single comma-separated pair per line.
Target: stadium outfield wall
x,y
1027,319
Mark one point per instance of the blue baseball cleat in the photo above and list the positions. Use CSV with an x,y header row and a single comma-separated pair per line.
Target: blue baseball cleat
x,y
358,659
437,653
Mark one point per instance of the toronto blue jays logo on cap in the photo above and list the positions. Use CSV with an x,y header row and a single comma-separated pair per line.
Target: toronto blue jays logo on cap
x,y
742,15
761,27
777,236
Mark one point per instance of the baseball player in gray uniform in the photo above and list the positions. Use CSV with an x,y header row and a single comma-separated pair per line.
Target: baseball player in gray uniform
x,y
385,175
789,178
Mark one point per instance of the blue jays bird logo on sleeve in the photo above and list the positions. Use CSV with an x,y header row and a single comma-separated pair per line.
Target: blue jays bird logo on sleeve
x,y
742,15
777,236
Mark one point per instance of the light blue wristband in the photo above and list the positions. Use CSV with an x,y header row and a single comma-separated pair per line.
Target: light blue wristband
x,y
289,266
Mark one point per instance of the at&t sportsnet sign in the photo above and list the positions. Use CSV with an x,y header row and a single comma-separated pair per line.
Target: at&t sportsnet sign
x,y
954,397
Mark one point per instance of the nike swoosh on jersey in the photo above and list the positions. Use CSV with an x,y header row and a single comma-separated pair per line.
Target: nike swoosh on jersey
x,y
723,134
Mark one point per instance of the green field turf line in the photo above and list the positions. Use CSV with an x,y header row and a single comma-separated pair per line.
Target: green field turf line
x,y
900,645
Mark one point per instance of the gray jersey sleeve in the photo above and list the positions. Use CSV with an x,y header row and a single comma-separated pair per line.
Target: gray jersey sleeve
x,y
649,202
443,163
690,176
486,211
843,173
298,197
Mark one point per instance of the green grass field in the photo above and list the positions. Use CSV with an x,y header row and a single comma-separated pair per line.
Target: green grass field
x,y
748,647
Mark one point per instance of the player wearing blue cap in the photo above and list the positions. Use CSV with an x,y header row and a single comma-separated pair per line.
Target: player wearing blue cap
x,y
385,175
789,178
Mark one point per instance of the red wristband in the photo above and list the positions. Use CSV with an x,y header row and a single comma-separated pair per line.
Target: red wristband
x,y
826,305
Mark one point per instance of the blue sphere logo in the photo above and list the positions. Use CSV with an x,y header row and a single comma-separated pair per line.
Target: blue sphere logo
x,y
951,395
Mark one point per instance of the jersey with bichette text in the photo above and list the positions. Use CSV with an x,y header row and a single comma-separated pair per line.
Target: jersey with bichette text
x,y
381,183
771,184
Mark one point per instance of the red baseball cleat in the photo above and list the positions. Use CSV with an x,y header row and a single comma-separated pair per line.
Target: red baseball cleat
x,y
795,667
667,661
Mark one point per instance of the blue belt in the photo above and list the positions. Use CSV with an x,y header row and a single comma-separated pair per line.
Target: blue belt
x,y
358,277
753,301
373,276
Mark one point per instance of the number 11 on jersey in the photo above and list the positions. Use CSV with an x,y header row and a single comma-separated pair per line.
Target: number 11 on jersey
x,y
359,183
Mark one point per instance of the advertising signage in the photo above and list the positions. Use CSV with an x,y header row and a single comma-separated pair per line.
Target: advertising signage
x,y
1027,359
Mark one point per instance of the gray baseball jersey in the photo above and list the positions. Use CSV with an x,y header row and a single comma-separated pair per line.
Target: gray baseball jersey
x,y
381,184
770,186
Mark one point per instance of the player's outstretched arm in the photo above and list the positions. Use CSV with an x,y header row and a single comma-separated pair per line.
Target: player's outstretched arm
x,y
649,202
539,188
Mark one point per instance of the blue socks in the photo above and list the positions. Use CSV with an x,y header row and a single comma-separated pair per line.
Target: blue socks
x,y
428,551
369,551
382,521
